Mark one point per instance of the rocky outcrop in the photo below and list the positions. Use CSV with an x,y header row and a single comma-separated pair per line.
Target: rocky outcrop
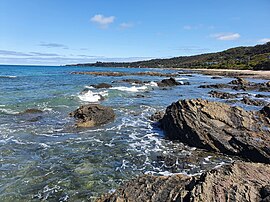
x,y
131,81
237,182
222,95
248,101
240,84
168,82
92,115
157,116
102,85
219,127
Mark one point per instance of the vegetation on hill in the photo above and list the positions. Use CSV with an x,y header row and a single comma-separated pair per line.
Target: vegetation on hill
x,y
254,57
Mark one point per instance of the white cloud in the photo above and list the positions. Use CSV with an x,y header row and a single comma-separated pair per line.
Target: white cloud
x,y
264,40
102,20
126,25
226,36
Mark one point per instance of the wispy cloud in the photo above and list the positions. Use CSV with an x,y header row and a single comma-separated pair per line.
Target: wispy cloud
x,y
14,57
198,26
44,54
12,53
226,36
53,45
102,21
264,40
126,25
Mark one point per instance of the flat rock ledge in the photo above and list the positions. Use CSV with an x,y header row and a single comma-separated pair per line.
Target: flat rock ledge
x,y
241,181
219,127
92,115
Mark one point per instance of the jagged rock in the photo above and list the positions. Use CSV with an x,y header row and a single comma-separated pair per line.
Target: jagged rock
x,y
239,81
92,115
102,85
222,95
240,181
168,82
219,127
248,101
217,86
157,116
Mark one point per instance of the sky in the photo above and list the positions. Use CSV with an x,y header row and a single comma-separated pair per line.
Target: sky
x,y
59,32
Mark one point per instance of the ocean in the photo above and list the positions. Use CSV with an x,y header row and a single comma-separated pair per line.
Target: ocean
x,y
43,157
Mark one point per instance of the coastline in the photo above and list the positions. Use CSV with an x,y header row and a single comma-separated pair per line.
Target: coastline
x,y
232,73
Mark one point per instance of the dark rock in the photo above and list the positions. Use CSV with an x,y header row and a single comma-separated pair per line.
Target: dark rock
x,y
262,96
246,100
168,82
266,111
136,81
32,111
267,84
239,81
219,127
102,85
217,86
139,96
240,181
216,77
157,116
222,95
92,115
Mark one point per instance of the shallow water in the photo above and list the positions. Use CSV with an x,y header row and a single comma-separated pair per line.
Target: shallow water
x,y
44,158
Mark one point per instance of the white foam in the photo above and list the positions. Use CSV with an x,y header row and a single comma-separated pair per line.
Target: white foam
x,y
90,96
152,83
89,87
7,76
8,111
181,78
130,89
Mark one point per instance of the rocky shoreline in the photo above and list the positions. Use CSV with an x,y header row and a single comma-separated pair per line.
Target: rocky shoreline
x,y
212,126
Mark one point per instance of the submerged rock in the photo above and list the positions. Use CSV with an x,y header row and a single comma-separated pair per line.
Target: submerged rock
x,y
102,85
131,81
237,182
168,82
219,127
32,111
92,115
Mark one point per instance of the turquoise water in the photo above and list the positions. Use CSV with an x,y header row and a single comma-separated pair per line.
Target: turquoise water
x,y
44,158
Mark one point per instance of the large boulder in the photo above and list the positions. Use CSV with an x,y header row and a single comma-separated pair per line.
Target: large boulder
x,y
168,82
92,115
237,182
219,127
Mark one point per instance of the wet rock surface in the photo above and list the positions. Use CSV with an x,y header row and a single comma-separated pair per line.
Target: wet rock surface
x,y
92,115
240,181
248,101
102,85
222,95
168,82
219,127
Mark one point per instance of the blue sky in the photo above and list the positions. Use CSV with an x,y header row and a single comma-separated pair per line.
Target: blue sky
x,y
57,32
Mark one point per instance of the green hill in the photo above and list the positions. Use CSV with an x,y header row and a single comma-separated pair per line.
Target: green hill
x,y
253,57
